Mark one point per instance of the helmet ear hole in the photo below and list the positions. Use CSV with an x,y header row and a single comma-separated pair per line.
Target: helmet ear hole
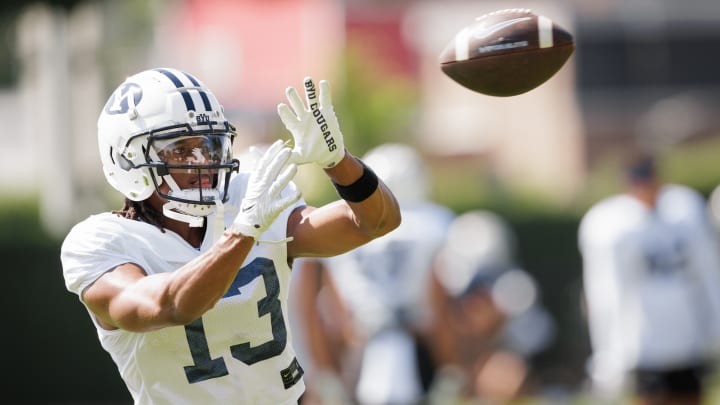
x,y
122,161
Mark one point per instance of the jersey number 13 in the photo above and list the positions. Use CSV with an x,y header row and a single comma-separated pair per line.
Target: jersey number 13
x,y
206,367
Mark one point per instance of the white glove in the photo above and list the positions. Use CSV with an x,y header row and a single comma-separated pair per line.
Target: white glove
x,y
263,203
314,126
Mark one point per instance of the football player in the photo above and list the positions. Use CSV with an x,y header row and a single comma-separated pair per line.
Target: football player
x,y
187,285
490,320
651,281
374,346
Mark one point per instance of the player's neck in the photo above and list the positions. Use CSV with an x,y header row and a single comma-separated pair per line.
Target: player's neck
x,y
647,196
193,235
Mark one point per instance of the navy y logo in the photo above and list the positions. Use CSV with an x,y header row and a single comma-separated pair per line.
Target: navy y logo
x,y
119,102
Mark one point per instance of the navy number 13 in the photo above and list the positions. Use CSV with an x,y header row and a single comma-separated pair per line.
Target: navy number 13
x,y
205,367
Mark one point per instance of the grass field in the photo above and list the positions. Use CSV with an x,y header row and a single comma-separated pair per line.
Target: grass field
x,y
712,398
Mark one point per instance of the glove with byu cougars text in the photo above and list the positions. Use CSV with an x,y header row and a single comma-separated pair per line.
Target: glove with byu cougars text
x,y
263,201
313,126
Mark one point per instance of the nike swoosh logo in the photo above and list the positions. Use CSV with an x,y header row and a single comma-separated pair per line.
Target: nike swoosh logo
x,y
248,208
487,31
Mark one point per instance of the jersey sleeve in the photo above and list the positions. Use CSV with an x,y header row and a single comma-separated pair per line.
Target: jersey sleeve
x,y
92,247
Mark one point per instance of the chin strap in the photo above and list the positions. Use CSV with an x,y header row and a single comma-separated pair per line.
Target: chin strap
x,y
179,211
193,221
169,209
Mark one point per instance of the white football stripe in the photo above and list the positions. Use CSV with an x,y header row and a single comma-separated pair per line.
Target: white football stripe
x,y
462,45
545,32
484,32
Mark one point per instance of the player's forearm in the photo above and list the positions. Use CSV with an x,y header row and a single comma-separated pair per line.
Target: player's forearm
x,y
151,302
200,284
379,214
375,209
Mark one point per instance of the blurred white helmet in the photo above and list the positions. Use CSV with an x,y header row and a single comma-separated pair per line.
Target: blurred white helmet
x,y
402,169
480,246
161,121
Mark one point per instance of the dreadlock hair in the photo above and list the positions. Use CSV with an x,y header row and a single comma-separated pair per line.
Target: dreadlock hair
x,y
141,211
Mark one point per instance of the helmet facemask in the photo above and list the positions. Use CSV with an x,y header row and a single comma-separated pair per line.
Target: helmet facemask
x,y
195,163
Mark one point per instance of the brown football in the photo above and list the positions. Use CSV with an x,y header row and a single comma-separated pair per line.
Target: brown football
x,y
507,52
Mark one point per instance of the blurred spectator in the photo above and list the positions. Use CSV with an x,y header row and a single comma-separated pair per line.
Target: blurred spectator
x,y
488,317
652,290
363,323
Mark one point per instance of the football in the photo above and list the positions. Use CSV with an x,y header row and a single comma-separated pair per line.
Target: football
x,y
507,52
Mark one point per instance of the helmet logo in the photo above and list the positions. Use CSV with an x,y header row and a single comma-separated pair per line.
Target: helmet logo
x,y
202,118
119,102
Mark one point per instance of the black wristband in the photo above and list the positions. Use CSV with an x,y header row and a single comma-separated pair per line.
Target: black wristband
x,y
361,189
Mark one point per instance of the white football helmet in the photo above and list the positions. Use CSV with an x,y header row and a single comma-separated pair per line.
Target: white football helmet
x,y
402,169
480,246
164,121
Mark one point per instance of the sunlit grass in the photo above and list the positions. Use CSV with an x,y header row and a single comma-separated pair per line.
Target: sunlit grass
x,y
584,398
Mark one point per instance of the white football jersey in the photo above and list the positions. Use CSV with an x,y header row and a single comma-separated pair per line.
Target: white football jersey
x,y
239,352
652,283
385,282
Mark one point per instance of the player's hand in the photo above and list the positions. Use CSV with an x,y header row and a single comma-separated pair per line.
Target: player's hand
x,y
313,125
263,201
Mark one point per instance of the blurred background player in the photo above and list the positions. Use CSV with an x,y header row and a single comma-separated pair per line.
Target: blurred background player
x,y
364,323
651,280
488,318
